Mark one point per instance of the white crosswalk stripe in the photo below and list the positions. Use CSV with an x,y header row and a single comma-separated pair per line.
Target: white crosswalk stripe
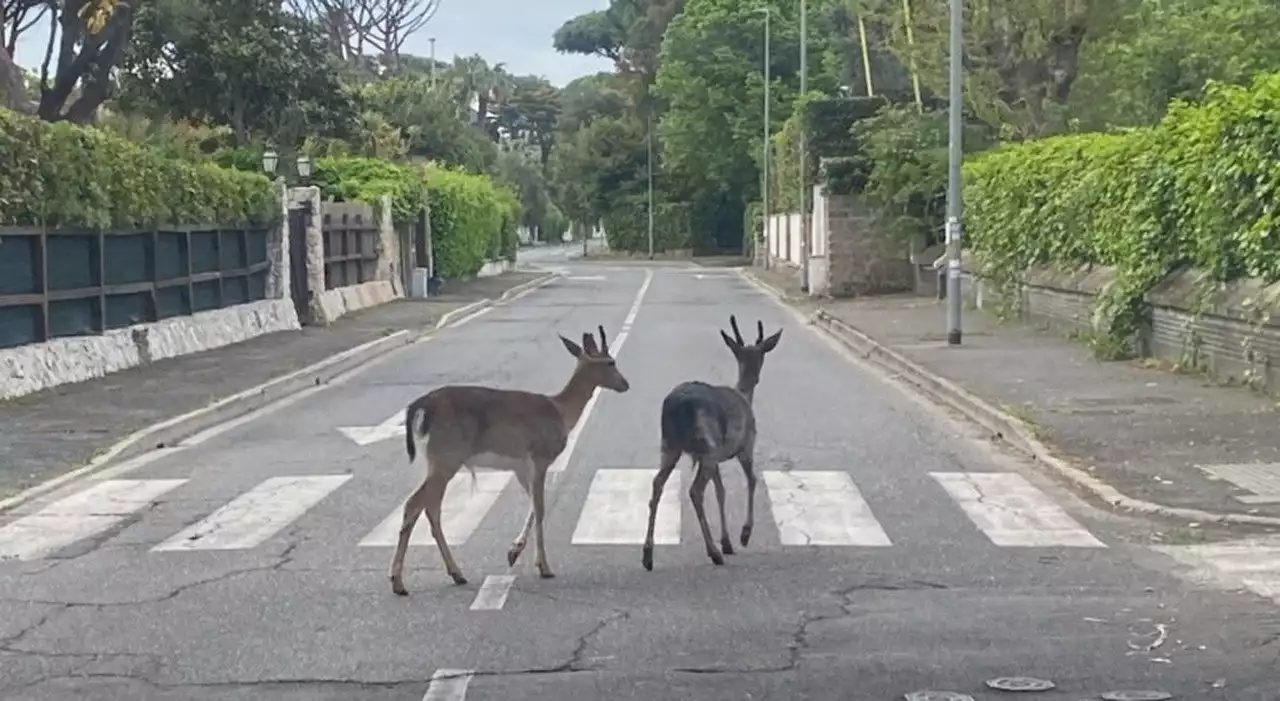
x,y
822,508
253,517
1012,512
805,508
79,516
616,510
465,506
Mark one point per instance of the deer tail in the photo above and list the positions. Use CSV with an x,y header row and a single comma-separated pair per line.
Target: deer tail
x,y
417,422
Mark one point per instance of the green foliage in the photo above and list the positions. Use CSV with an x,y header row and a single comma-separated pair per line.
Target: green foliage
x,y
626,225
1198,189
902,168
472,218
62,175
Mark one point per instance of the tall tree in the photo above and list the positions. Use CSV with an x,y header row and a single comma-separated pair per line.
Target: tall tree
x,y
244,63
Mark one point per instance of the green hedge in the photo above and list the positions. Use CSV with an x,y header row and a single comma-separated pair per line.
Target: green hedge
x,y
1198,189
62,175
627,225
472,218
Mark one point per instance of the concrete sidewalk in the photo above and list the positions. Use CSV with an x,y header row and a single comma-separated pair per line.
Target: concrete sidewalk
x,y
1180,443
49,433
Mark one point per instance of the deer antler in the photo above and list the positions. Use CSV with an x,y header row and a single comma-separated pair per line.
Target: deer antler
x,y
759,332
733,321
604,342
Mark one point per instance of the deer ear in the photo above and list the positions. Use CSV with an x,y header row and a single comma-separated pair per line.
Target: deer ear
x,y
733,345
574,349
771,342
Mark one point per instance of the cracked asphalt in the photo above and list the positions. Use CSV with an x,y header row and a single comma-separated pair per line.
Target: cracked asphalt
x,y
308,614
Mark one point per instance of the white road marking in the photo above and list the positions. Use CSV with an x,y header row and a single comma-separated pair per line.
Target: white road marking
x,y
253,517
79,516
584,278
616,510
470,317
462,511
615,347
1252,563
493,592
821,508
449,685
365,435
1012,512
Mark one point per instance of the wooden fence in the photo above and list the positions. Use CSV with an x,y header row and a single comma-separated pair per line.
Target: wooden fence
x,y
57,283
350,244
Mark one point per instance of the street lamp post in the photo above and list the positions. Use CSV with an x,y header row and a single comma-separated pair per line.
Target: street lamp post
x,y
433,62
649,146
764,188
804,88
954,158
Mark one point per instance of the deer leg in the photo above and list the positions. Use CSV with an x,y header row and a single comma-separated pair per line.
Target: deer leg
x,y
517,545
747,461
539,509
697,493
669,461
434,501
725,545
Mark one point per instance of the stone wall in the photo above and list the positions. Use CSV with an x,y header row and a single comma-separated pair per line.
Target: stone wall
x,y
862,258
1230,337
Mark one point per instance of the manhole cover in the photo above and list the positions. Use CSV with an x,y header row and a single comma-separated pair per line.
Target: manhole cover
x,y
1019,684
937,696
1136,696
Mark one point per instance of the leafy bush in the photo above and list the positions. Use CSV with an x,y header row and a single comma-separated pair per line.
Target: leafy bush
x,y
1198,189
627,225
472,219
62,175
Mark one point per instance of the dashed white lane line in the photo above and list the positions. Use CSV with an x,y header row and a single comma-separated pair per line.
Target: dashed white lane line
x,y
487,599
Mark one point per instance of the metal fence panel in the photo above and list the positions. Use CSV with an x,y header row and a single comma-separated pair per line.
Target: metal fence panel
x,y
57,283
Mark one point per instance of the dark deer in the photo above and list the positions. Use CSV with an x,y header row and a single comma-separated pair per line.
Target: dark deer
x,y
713,423
504,429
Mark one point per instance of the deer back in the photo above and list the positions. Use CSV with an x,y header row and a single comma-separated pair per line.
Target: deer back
x,y
510,423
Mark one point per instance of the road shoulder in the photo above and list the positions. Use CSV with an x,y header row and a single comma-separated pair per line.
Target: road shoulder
x,y
1134,439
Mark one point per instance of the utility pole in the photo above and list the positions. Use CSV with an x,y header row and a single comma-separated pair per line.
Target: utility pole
x,y
433,62
954,159
764,227
804,148
649,146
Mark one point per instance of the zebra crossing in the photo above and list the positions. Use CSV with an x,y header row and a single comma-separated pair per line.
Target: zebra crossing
x,y
806,507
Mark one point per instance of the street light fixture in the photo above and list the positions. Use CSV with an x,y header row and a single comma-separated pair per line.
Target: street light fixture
x,y
304,166
270,159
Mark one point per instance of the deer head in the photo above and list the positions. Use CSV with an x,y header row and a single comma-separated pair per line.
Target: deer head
x,y
596,368
750,357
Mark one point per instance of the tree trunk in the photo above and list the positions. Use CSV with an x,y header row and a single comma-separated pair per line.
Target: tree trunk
x,y
13,88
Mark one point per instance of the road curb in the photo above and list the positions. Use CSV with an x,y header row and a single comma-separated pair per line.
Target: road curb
x,y
176,429
1010,429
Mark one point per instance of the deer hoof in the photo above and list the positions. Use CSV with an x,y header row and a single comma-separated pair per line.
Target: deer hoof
x,y
397,588
726,547
546,573
513,555
716,557
458,579
647,558
746,535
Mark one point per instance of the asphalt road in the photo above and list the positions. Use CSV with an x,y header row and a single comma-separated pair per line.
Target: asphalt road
x,y
931,562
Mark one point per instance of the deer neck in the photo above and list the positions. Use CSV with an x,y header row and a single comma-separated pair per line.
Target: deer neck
x,y
747,385
572,400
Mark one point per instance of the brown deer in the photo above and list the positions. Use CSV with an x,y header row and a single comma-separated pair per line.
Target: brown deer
x,y
504,429
713,423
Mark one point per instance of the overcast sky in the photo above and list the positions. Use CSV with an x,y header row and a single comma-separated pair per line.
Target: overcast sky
x,y
514,32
